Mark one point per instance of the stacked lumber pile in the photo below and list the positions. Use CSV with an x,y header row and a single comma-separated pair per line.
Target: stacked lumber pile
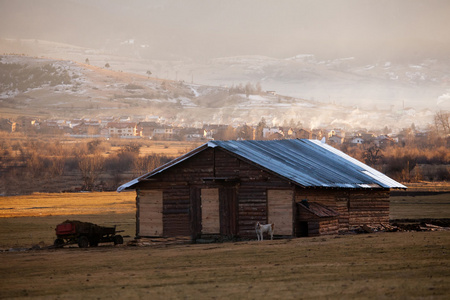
x,y
399,227
375,228
431,227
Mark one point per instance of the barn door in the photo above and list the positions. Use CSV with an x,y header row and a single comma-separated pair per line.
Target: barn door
x,y
150,213
228,211
279,206
210,211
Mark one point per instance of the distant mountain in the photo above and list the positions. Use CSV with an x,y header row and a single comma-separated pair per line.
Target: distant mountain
x,y
345,81
86,88
424,83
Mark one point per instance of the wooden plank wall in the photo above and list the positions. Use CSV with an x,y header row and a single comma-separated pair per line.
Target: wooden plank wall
x,y
356,207
369,208
150,213
252,196
325,197
280,211
323,226
226,165
252,209
342,207
176,207
228,211
181,185
190,171
210,211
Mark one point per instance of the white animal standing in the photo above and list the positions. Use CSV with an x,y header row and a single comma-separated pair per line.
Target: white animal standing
x,y
261,228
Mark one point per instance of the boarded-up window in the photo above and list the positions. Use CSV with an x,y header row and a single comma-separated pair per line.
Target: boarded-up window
x,y
210,211
150,213
280,210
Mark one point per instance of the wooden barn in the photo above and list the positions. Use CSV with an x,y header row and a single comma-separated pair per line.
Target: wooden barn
x,y
223,188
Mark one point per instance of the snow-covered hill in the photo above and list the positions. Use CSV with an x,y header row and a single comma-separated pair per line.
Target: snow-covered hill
x,y
126,89
424,83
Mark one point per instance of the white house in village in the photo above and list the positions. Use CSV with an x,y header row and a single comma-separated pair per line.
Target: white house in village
x,y
357,140
336,139
163,133
123,129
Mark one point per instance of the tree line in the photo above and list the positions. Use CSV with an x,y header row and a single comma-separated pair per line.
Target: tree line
x,y
33,165
53,165
412,160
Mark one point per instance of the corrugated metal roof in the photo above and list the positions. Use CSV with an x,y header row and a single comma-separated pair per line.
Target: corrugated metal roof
x,y
308,163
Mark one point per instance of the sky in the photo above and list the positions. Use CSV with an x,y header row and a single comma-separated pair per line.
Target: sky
x,y
197,29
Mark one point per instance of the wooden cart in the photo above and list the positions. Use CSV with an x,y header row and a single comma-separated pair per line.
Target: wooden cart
x,y
85,234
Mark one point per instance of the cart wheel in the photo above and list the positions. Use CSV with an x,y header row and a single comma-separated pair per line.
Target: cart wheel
x,y
118,239
59,243
83,242
93,243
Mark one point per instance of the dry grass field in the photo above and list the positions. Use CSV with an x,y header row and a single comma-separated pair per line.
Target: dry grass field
x,y
420,207
398,265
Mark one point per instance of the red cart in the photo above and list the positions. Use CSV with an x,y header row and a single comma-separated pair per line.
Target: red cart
x,y
85,234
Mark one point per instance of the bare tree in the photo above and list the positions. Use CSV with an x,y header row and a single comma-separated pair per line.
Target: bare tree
x,y
260,128
245,132
35,165
91,166
57,166
441,121
147,163
372,155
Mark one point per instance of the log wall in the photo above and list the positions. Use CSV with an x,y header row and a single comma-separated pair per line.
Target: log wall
x,y
355,207
368,208
324,226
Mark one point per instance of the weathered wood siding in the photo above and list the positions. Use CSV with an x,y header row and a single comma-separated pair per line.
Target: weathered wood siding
x,y
176,206
368,207
315,226
322,227
280,204
228,211
210,211
355,207
252,208
149,221
342,207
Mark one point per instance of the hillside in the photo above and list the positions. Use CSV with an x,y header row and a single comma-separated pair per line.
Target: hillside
x,y
51,88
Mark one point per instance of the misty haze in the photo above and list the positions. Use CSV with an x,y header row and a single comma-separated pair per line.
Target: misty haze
x,y
327,63
171,135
